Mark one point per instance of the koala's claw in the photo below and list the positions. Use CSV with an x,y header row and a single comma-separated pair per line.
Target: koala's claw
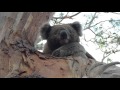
x,y
56,53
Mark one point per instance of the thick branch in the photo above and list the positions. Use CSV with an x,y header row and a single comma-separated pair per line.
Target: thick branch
x,y
35,21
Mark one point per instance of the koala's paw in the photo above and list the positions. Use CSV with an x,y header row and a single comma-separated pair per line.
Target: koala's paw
x,y
56,53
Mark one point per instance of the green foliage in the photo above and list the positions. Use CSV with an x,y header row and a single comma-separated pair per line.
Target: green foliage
x,y
116,23
118,40
109,60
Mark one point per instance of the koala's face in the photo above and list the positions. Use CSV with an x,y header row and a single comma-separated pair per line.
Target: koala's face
x,y
61,34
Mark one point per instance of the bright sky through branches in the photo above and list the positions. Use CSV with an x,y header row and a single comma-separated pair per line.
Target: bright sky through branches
x,y
89,46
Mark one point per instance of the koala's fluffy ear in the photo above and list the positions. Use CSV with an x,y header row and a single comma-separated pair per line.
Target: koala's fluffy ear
x,y
77,26
45,31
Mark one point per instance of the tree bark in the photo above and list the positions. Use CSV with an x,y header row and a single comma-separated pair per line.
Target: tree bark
x,y
18,34
19,59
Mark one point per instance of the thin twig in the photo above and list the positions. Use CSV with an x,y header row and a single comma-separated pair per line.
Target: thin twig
x,y
66,16
91,21
115,13
63,18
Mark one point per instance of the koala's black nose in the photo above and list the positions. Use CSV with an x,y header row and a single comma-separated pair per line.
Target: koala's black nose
x,y
63,34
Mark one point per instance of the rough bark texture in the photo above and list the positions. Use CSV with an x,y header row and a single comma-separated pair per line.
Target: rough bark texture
x,y
19,59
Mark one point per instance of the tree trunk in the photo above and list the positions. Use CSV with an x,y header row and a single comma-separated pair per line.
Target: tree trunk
x,y
19,58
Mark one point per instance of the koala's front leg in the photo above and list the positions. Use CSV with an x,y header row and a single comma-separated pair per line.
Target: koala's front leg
x,y
67,50
74,49
58,53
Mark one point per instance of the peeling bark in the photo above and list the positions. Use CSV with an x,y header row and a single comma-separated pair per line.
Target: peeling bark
x,y
18,33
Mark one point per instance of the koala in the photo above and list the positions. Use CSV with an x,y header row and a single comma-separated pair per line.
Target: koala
x,y
63,40
72,49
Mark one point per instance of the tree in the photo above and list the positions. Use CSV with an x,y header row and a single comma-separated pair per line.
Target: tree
x,y
19,58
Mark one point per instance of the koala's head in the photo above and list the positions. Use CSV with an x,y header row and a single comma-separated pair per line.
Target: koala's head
x,y
61,34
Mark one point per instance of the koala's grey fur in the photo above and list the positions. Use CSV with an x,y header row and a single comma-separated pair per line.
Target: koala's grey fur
x,y
63,40
74,49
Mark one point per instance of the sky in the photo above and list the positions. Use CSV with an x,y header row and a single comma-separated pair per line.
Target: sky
x,y
89,46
